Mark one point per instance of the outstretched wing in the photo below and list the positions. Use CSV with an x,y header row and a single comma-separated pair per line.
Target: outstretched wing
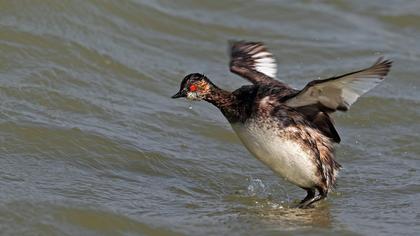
x,y
252,61
321,97
339,93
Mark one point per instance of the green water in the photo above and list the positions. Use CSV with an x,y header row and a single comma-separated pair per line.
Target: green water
x,y
91,143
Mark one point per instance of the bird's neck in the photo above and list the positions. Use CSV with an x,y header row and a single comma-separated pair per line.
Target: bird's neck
x,y
227,102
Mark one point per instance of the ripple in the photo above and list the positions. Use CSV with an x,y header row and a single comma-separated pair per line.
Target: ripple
x,y
92,143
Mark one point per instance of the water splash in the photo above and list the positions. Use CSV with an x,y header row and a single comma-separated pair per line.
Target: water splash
x,y
256,187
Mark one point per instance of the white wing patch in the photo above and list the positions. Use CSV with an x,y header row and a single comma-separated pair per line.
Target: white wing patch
x,y
254,56
265,63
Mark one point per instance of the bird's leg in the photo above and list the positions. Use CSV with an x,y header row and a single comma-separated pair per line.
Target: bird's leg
x,y
308,201
310,194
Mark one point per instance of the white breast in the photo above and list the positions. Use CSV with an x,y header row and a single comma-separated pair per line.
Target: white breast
x,y
285,157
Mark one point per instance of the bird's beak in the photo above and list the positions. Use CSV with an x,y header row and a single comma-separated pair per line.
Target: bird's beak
x,y
179,94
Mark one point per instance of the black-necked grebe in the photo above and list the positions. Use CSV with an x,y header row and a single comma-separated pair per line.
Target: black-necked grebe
x,y
289,130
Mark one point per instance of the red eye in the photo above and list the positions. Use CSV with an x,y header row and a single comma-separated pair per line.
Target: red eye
x,y
193,88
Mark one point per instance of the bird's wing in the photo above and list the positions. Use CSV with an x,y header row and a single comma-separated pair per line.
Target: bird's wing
x,y
340,92
252,61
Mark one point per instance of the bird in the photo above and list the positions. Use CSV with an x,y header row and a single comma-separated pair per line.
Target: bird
x,y
289,130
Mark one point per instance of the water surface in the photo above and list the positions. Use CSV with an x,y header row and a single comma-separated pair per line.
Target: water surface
x,y
91,143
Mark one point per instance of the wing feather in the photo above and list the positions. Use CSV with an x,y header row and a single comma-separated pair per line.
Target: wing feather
x,y
339,93
252,61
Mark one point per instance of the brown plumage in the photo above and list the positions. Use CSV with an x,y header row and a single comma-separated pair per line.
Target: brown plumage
x,y
289,130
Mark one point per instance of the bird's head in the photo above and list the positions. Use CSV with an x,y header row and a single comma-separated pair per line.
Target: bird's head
x,y
194,87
